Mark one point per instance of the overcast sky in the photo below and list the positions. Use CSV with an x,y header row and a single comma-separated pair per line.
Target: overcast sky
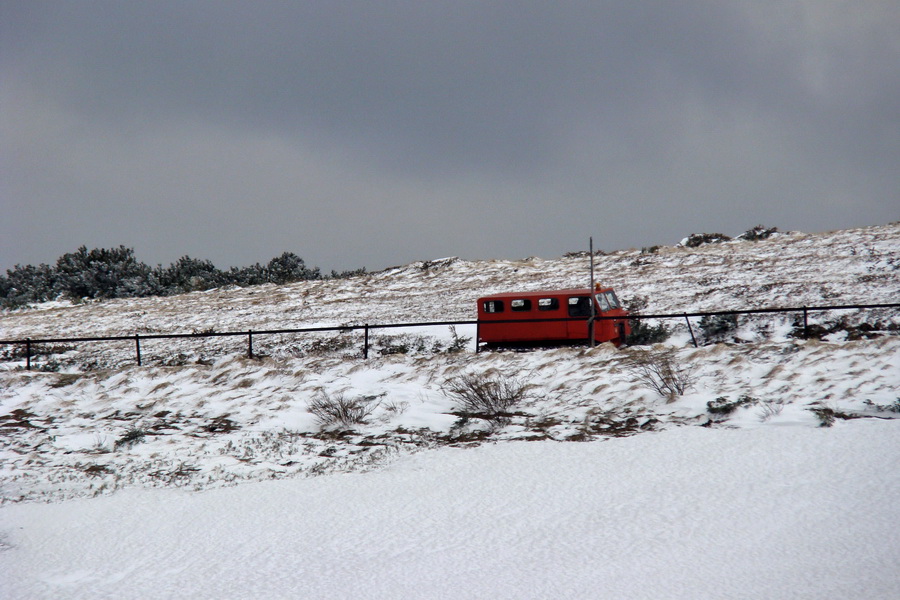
x,y
373,134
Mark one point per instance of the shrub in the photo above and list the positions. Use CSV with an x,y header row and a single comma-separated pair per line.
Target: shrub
x,y
247,276
339,410
348,274
716,328
643,334
723,406
895,407
485,396
28,284
288,268
827,415
646,335
101,273
698,239
458,343
190,275
116,273
388,345
770,409
757,233
327,345
130,438
661,371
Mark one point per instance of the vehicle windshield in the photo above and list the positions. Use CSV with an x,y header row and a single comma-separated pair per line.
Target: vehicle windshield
x,y
612,299
607,301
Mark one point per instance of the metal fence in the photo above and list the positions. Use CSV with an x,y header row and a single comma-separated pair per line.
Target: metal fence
x,y
803,311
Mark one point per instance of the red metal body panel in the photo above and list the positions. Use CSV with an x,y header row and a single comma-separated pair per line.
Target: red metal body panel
x,y
532,307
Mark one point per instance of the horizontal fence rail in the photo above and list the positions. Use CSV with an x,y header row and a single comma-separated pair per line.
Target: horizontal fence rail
x,y
366,327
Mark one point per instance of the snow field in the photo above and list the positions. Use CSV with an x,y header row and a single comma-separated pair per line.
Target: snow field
x,y
686,513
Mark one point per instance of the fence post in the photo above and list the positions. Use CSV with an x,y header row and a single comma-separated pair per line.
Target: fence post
x,y
137,347
691,329
805,324
28,354
250,343
366,341
477,337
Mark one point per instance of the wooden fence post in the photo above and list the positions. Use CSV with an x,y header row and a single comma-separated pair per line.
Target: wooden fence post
x,y
28,354
805,324
366,341
137,347
691,329
250,343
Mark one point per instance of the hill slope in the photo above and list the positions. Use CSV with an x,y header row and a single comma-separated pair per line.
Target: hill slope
x,y
200,414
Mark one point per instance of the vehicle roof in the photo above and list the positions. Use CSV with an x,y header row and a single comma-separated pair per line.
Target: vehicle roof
x,y
543,293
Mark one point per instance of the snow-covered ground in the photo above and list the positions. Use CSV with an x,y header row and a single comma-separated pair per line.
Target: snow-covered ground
x,y
770,476
776,512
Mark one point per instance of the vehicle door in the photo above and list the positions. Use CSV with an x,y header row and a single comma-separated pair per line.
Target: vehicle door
x,y
579,307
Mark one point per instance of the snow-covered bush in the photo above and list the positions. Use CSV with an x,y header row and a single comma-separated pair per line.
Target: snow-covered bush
x,y
698,239
757,233
661,371
723,406
770,409
339,410
288,268
246,276
190,275
27,284
101,273
131,437
116,273
458,343
477,394
716,328
643,334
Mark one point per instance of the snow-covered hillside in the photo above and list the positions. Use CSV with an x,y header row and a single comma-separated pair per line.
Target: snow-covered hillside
x,y
858,266
200,415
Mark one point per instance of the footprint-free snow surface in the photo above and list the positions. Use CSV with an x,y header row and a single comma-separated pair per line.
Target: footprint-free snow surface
x,y
780,512
771,473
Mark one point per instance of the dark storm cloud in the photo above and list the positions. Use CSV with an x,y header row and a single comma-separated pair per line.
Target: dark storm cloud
x,y
470,83
375,133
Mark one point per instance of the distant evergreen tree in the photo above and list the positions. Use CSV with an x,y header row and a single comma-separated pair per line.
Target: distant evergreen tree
x,y
116,273
101,273
289,267
246,276
348,274
27,284
190,275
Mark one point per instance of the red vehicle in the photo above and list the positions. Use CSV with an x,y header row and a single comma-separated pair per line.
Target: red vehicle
x,y
569,309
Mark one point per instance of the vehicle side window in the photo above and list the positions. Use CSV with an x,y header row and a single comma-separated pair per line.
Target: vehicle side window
x,y
548,303
493,306
520,305
580,306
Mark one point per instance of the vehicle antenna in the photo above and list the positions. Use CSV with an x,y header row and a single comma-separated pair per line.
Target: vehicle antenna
x,y
591,291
